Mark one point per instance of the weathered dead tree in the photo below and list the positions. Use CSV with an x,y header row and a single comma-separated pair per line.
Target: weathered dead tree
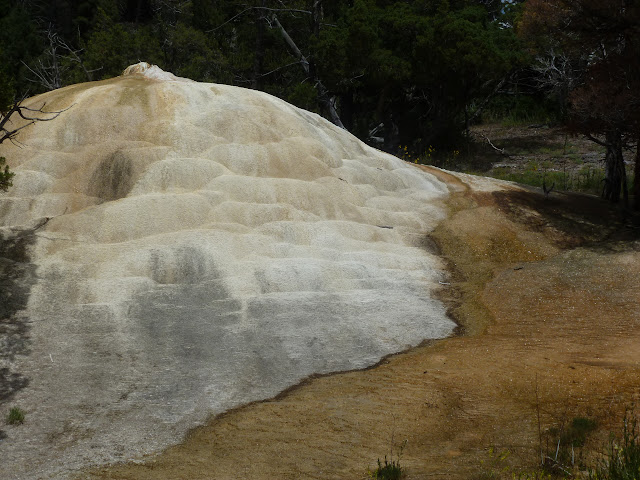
x,y
327,101
48,70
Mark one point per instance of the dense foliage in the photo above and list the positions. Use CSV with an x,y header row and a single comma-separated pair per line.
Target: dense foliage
x,y
589,50
409,72
415,73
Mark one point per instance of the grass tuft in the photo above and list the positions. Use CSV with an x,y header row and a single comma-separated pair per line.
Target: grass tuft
x,y
16,416
389,469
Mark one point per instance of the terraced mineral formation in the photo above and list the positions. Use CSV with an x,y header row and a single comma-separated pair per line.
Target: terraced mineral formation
x,y
172,249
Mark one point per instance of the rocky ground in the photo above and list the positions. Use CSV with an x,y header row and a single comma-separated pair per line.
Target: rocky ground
x,y
545,290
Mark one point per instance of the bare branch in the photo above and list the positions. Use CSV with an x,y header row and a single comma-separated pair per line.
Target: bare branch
x,y
248,9
48,70
292,10
595,140
279,68
230,20
325,99
24,113
486,101
292,45
499,150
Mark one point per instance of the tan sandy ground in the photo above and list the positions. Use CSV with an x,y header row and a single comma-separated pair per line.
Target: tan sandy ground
x,y
537,305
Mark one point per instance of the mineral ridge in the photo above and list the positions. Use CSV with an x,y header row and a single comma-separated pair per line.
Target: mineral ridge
x,y
173,249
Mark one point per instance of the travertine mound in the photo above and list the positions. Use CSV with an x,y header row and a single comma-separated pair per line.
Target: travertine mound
x,y
174,249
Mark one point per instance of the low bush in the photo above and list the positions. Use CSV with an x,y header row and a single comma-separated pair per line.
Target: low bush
x,y
389,469
15,416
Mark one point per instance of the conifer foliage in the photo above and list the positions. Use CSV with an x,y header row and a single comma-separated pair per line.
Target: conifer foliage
x,y
411,72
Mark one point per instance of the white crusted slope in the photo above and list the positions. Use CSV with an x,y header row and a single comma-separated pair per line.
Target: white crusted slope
x,y
207,246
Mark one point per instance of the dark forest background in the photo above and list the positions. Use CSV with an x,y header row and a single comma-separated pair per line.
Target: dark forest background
x,y
416,73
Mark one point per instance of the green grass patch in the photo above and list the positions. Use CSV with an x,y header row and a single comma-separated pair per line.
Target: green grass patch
x,y
516,110
586,180
15,416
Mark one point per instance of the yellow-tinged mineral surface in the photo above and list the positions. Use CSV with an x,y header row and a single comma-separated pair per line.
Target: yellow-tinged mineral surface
x,y
173,249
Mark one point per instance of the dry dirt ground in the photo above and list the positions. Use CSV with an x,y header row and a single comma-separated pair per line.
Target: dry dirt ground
x,y
547,295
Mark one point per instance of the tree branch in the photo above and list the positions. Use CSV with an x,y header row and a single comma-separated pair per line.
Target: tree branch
x,y
279,68
486,101
23,112
499,150
323,93
595,140
292,45
248,9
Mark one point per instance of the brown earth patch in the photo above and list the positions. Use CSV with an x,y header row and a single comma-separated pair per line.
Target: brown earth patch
x,y
546,293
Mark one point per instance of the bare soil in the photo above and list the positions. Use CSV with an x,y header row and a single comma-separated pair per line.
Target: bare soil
x,y
546,293
518,146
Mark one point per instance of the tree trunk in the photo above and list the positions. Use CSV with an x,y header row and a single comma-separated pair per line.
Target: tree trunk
x,y
258,59
346,109
615,174
636,178
326,101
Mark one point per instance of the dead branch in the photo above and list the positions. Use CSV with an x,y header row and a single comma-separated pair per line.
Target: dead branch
x,y
48,70
595,140
249,9
30,115
499,150
488,98
323,93
545,189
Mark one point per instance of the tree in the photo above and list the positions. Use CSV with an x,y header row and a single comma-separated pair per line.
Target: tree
x,y
50,69
601,40
415,72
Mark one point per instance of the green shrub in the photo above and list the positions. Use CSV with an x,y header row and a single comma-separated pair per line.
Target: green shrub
x,y
16,416
576,433
390,469
5,176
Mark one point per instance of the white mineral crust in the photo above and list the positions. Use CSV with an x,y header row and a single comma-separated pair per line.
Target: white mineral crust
x,y
207,246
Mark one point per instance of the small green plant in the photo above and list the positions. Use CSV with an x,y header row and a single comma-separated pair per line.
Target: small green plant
x,y
389,469
576,433
5,175
622,461
16,416
531,475
495,466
